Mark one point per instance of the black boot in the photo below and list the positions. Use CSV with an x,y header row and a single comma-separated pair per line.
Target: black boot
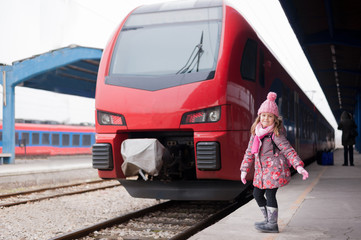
x,y
271,226
264,212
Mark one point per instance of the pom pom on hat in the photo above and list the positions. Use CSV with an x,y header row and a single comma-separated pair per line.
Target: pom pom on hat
x,y
271,96
269,106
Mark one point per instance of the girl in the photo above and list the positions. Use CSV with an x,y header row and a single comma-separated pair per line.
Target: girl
x,y
270,152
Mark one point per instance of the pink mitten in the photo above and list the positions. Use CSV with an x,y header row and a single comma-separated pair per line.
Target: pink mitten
x,y
302,171
243,177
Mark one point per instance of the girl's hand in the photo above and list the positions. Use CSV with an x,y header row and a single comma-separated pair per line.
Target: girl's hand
x,y
302,171
243,177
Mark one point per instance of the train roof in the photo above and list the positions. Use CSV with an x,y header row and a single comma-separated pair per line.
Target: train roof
x,y
177,5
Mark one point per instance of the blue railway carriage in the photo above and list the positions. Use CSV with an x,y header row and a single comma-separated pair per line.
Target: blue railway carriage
x,y
51,139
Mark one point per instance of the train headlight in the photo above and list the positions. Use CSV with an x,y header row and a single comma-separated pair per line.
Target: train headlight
x,y
105,118
207,115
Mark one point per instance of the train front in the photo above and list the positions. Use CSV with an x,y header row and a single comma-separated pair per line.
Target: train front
x,y
162,119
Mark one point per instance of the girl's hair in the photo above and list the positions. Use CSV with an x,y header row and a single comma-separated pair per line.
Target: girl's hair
x,y
277,128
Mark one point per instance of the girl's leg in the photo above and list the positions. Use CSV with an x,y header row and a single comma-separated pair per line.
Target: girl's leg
x,y
271,197
258,195
272,213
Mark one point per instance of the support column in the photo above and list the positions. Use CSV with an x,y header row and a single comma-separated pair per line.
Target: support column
x,y
8,102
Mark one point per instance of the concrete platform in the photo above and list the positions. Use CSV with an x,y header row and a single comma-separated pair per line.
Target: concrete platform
x,y
325,206
46,172
50,164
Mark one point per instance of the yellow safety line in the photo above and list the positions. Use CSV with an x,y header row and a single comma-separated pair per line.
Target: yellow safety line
x,y
296,204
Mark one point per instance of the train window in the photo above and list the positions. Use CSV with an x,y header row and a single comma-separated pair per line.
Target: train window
x,y
65,140
161,37
285,101
45,139
17,140
86,140
303,122
291,99
1,136
25,137
35,138
249,60
307,124
76,140
261,68
55,139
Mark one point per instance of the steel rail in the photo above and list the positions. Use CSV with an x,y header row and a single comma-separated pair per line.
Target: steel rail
x,y
245,197
56,196
111,222
8,195
240,201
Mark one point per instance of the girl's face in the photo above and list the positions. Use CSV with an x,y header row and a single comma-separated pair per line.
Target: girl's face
x,y
267,119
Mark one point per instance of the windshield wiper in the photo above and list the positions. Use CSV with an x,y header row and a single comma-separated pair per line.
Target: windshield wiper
x,y
187,67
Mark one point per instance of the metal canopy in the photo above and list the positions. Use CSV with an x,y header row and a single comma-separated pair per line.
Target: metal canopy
x,y
329,32
75,78
71,70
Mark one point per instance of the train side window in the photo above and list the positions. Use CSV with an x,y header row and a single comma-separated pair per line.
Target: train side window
x,y
261,68
285,102
45,139
304,122
17,141
25,137
86,140
249,60
292,106
65,140
35,139
1,136
55,139
76,140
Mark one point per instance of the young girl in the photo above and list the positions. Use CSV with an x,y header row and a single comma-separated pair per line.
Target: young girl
x,y
270,152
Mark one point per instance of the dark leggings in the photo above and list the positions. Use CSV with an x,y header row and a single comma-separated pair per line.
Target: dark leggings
x,y
270,199
348,151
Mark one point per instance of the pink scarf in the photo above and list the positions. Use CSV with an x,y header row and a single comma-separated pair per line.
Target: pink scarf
x,y
260,133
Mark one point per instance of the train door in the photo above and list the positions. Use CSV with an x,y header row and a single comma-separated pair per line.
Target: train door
x,y
249,74
314,133
261,78
297,122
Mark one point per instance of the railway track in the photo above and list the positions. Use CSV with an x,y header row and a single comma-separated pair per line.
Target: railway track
x,y
13,199
168,220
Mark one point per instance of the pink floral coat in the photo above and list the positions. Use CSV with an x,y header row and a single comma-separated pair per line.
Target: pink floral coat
x,y
271,170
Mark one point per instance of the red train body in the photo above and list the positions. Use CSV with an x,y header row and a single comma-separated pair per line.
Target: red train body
x,y
201,111
50,140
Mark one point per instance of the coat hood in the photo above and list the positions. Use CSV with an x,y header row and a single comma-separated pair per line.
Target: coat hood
x,y
345,115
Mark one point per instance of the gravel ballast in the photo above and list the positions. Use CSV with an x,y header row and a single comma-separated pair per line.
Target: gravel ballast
x,y
50,218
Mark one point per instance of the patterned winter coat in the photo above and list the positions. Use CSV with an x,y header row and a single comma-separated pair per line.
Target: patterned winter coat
x,y
271,169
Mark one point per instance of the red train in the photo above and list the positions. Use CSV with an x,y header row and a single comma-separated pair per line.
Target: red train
x,y
51,139
191,75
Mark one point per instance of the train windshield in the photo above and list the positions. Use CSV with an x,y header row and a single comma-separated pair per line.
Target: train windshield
x,y
165,46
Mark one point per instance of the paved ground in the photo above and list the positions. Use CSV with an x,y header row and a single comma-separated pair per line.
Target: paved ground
x,y
326,206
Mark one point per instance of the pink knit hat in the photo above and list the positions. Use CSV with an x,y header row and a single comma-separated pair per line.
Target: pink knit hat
x,y
269,106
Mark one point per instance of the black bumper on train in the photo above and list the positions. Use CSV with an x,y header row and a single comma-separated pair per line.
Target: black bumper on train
x,y
216,190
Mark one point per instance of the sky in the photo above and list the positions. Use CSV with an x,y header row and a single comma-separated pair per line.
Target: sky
x,y
33,27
